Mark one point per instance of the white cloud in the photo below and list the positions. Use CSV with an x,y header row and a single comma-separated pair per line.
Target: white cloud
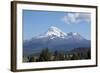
x,y
74,18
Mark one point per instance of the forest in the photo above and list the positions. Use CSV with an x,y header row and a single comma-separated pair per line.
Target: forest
x,y
47,55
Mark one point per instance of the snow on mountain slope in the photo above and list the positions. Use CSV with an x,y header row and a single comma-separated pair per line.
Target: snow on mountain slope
x,y
75,35
53,32
55,39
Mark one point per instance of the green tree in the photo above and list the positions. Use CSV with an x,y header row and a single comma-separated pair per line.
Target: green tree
x,y
45,55
88,55
31,59
56,55
75,56
61,56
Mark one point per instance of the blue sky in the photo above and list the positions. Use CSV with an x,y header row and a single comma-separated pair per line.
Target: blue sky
x,y
37,22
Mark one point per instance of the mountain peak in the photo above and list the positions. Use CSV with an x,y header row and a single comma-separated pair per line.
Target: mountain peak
x,y
53,32
53,28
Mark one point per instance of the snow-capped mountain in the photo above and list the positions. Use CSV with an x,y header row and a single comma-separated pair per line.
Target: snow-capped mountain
x,y
55,39
75,36
53,32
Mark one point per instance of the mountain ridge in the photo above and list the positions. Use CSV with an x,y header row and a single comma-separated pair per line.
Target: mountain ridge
x,y
55,39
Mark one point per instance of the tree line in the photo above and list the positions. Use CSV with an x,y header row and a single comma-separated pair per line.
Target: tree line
x,y
46,55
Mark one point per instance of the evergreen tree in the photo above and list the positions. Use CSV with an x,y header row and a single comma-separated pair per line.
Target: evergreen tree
x,y
56,55
45,55
75,56
61,56
88,55
31,59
